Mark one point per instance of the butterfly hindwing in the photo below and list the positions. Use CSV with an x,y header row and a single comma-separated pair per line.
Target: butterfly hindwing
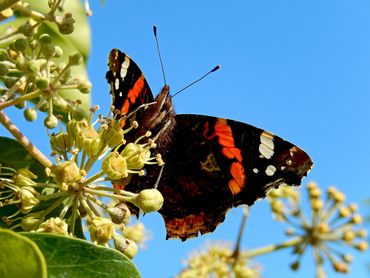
x,y
216,164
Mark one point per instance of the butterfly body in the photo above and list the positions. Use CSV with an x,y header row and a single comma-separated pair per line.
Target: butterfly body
x,y
211,164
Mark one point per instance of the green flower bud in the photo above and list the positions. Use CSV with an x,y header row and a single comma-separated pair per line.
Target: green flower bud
x,y
4,69
113,135
135,232
30,222
42,82
88,140
45,39
125,246
28,196
61,143
24,177
32,67
55,226
51,121
30,114
120,214
136,155
21,44
58,51
101,230
67,174
27,29
149,200
115,166
60,103
75,59
84,87
66,24
48,50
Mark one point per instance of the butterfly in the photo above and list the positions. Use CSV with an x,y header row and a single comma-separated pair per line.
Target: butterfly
x,y
211,164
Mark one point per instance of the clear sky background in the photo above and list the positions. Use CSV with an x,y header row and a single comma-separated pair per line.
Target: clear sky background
x,y
300,69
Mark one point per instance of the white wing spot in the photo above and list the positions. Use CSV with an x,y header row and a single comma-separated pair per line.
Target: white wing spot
x,y
120,94
270,170
116,84
266,146
255,170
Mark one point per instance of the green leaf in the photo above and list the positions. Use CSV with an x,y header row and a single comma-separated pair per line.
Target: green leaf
x,y
67,257
12,154
20,256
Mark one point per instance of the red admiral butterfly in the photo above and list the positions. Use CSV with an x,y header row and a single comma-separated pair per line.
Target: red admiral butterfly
x,y
212,164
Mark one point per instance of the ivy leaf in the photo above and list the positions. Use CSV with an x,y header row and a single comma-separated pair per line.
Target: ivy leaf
x,y
67,257
12,154
20,256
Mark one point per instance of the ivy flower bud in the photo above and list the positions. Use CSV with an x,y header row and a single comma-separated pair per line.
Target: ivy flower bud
x,y
67,174
42,83
48,50
149,200
88,139
55,226
112,136
27,29
21,44
58,51
4,69
30,114
61,143
125,246
101,230
356,219
28,196
362,246
348,236
84,87
136,155
24,177
340,267
66,24
115,166
295,266
51,121
45,39
120,214
30,222
75,59
32,68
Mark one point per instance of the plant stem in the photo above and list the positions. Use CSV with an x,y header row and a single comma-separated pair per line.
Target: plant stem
x,y
236,252
18,135
271,248
20,99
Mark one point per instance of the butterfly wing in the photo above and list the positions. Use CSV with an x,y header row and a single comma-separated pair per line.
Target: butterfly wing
x,y
216,164
128,85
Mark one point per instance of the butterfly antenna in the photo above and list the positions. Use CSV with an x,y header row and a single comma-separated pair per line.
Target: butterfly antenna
x,y
196,81
159,53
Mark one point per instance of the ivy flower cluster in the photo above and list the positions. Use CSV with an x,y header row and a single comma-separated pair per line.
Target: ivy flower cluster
x,y
216,260
330,227
30,66
71,192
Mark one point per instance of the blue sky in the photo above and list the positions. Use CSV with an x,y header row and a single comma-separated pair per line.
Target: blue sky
x,y
300,69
